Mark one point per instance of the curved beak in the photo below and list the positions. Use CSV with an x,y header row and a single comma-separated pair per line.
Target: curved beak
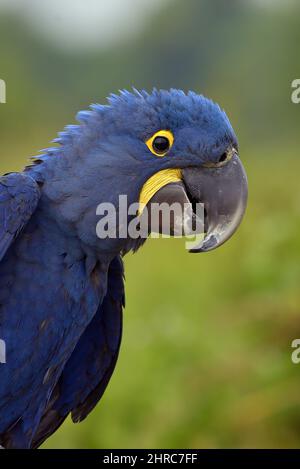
x,y
222,192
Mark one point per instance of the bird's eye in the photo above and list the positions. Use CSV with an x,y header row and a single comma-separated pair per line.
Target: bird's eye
x,y
161,142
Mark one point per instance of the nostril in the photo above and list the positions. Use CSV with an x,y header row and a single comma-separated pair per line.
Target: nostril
x,y
223,157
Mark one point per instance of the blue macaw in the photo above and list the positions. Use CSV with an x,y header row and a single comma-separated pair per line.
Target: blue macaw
x,y
61,286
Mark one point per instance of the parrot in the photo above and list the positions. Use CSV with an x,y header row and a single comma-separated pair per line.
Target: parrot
x,y
61,285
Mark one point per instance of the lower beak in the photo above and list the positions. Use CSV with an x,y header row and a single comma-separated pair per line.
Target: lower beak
x,y
223,193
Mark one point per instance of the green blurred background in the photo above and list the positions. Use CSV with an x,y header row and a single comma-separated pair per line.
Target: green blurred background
x,y
206,353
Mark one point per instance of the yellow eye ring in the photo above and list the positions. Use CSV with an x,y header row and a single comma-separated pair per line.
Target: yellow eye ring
x,y
161,142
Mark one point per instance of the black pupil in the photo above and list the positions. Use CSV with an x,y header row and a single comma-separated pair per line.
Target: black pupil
x,y
161,144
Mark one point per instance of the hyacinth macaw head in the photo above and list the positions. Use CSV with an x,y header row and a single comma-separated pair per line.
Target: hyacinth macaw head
x,y
165,146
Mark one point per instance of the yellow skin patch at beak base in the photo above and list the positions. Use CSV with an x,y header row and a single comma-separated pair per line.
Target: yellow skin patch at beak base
x,y
156,182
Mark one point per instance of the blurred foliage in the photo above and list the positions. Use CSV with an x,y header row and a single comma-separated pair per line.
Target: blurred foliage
x,y
205,360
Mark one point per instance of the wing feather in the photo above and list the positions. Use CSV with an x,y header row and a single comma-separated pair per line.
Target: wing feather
x,y
19,196
89,369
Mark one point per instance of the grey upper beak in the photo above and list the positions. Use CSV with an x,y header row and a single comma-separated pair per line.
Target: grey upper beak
x,y
224,193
